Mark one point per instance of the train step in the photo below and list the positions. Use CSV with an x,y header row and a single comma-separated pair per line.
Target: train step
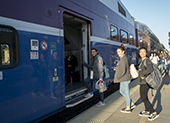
x,y
77,101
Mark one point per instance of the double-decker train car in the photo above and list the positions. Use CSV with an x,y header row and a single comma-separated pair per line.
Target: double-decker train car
x,y
34,39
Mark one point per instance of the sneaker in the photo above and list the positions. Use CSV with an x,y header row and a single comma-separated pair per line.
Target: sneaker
x,y
153,117
144,113
89,95
125,111
100,103
133,106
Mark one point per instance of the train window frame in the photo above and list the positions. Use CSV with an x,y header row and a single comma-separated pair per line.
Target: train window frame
x,y
115,39
130,38
11,44
121,36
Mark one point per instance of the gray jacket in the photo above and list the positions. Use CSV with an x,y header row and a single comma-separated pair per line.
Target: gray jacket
x,y
144,70
96,66
122,71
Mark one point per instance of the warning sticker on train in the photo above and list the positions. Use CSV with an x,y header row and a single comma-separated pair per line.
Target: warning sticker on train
x,y
44,45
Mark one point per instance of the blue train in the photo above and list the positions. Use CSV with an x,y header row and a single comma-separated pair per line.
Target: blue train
x,y
34,39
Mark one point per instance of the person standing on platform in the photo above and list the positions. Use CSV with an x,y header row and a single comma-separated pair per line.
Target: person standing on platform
x,y
123,77
155,59
163,62
97,73
144,87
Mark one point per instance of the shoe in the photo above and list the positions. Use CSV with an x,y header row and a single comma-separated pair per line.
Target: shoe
x,y
125,111
144,113
133,106
100,103
89,95
153,117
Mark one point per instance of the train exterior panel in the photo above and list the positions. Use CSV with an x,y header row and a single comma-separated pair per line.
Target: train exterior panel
x,y
35,37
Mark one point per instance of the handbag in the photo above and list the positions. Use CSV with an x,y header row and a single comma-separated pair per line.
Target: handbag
x,y
133,71
101,85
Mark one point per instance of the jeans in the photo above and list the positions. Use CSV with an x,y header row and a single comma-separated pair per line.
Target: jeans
x,y
163,66
89,82
124,90
101,96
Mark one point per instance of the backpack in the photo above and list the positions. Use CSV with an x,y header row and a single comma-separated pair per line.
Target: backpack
x,y
154,79
106,71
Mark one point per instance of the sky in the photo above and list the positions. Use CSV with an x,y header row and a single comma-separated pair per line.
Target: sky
x,y
154,13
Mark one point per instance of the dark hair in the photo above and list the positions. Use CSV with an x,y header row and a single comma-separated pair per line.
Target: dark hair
x,y
121,47
95,49
147,53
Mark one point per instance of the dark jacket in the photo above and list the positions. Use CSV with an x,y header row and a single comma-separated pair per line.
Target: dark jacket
x,y
96,66
144,71
71,60
122,71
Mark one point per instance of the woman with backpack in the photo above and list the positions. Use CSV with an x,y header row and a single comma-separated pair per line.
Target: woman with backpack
x,y
144,87
123,77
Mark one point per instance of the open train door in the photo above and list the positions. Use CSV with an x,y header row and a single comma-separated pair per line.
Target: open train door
x,y
76,40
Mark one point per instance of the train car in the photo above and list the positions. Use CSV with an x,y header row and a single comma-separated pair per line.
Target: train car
x,y
34,39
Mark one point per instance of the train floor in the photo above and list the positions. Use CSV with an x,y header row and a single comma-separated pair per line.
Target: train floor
x,y
110,113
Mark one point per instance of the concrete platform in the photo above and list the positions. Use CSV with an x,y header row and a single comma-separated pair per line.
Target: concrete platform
x,y
110,113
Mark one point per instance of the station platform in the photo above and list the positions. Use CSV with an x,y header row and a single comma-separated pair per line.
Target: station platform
x,y
110,113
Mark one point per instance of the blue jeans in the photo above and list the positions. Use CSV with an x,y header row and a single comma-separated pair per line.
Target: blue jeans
x,y
89,82
163,66
124,90
101,96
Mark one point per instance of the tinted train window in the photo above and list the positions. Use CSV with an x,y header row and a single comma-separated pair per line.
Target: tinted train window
x,y
131,39
124,36
113,32
121,10
9,52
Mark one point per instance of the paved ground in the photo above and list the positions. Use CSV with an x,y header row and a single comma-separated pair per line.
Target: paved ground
x,y
110,113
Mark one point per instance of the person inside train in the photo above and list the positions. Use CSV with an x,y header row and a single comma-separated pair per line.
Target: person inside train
x,y
154,58
70,65
97,73
144,87
123,77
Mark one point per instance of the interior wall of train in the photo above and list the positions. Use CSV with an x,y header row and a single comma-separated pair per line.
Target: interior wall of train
x,y
76,41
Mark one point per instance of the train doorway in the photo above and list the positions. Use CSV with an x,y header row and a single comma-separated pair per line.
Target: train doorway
x,y
75,41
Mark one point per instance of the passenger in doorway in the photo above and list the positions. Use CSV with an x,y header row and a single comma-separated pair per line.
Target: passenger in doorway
x,y
144,87
70,65
163,61
97,72
154,58
123,77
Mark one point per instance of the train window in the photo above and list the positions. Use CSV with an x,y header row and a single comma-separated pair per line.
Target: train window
x,y
121,10
9,51
113,32
124,36
131,39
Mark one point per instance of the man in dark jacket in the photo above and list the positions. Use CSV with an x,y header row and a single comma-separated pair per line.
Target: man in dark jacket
x,y
70,65
96,71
